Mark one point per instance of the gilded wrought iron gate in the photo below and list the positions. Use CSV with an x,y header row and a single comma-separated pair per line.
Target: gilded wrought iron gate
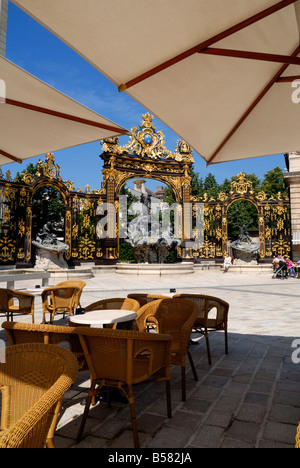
x,y
91,239
274,225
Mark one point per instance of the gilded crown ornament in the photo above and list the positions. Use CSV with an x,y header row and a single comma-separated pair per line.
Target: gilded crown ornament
x,y
147,142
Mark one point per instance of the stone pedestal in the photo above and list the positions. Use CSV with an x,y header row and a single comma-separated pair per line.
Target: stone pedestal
x,y
50,257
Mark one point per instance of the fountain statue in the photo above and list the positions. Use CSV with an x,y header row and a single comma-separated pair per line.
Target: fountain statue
x,y
49,250
244,249
151,243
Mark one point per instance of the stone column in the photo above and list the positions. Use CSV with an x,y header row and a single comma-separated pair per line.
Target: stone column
x,y
3,26
292,177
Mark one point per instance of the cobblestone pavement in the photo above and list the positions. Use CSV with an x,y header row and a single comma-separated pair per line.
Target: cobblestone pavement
x,y
249,398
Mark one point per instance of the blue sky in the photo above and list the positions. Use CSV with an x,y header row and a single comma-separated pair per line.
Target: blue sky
x,y
36,50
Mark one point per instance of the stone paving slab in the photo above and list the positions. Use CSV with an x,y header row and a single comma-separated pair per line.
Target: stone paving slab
x,y
249,398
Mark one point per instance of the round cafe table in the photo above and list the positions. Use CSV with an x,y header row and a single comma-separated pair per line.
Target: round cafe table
x,y
100,318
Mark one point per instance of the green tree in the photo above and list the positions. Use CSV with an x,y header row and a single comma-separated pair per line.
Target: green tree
x,y
211,187
241,213
169,196
226,186
30,169
274,183
197,187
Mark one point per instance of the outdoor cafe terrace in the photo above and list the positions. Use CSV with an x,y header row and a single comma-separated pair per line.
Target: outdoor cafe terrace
x,y
248,398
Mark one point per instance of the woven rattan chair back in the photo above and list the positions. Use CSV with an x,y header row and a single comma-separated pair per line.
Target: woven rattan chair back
x,y
71,284
175,317
33,380
122,303
144,298
208,306
59,300
120,359
297,438
19,332
14,302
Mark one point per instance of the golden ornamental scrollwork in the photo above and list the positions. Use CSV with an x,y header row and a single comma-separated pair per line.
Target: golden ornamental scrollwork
x,y
261,196
7,249
186,179
222,196
111,174
86,248
48,168
147,142
241,185
27,178
183,152
147,167
69,185
111,145
21,228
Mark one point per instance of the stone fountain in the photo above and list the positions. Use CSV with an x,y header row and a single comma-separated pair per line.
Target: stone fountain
x,y
151,242
49,250
244,249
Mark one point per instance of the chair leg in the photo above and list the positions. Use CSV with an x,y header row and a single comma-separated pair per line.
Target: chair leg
x,y
226,341
207,347
192,365
133,418
86,410
49,441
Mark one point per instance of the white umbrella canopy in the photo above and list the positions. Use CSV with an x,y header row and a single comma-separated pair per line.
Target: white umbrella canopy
x,y
219,73
36,118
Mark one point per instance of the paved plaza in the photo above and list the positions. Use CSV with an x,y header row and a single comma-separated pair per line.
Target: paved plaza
x,y
249,398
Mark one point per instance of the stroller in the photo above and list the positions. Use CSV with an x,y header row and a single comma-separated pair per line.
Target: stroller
x,y
281,271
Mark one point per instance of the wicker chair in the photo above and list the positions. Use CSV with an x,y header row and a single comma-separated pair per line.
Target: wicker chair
x,y
59,300
297,438
71,284
122,303
33,380
175,317
20,333
8,306
120,359
203,323
144,298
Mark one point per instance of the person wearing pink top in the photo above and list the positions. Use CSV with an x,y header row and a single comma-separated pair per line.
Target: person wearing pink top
x,y
290,267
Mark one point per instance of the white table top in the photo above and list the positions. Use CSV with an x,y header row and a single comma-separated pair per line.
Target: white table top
x,y
102,317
